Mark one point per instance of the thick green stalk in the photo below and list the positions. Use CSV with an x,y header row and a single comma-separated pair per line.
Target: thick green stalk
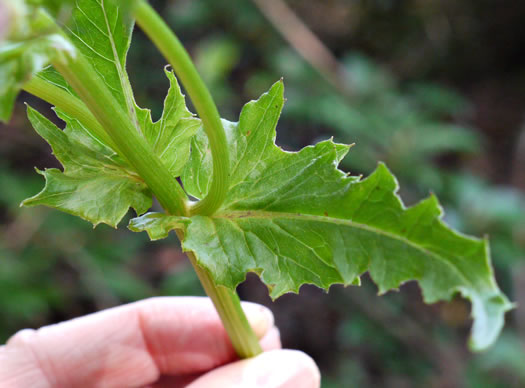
x,y
170,46
71,105
94,93
228,306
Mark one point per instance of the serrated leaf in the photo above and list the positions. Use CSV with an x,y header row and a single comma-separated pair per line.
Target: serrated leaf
x,y
170,136
95,185
294,218
102,30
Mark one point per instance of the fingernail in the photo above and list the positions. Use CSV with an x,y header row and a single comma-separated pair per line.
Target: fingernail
x,y
260,318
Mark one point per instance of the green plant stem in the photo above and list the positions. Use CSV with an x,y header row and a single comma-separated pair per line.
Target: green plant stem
x,y
71,105
226,301
105,109
94,93
170,46
227,304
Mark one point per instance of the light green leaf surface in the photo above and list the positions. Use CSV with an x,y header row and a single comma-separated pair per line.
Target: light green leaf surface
x,y
170,136
294,218
95,184
101,31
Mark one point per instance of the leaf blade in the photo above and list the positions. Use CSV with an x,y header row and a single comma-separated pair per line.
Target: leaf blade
x,y
170,136
95,185
332,224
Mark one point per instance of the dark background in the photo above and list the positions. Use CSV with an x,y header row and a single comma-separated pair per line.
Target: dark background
x,y
435,88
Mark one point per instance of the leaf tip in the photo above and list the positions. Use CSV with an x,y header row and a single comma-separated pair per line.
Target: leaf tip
x,y
277,88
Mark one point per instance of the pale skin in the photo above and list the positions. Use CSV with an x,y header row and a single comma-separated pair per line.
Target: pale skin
x,y
160,342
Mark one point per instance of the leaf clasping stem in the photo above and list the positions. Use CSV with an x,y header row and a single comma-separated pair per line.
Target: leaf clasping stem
x,y
117,125
226,301
172,49
85,81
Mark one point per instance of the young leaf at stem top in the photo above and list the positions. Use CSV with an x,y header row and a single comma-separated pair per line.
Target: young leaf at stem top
x,y
295,218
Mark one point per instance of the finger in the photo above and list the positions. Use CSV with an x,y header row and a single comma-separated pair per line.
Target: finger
x,y
275,369
271,341
125,346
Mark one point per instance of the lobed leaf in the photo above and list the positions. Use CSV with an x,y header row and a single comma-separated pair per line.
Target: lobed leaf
x,y
95,185
103,35
295,218
171,135
102,32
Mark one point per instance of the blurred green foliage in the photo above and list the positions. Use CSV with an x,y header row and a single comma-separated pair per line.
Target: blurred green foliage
x,y
395,101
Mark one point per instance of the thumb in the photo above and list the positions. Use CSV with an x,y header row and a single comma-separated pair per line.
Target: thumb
x,y
274,369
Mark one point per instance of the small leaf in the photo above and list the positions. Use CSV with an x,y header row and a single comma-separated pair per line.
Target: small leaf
x,y
171,135
295,218
95,185
157,225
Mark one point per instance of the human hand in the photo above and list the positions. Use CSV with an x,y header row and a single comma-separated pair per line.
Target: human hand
x,y
159,342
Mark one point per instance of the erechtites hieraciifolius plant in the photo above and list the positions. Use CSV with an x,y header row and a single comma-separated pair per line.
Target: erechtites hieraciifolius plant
x,y
293,218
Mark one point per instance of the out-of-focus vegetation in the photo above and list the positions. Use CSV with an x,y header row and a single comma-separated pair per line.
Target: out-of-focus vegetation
x,y
436,89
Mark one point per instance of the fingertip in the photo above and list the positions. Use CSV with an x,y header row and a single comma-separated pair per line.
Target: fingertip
x,y
274,369
22,337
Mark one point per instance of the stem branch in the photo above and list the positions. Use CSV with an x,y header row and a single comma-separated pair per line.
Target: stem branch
x,y
172,49
226,301
94,93
71,105
105,117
